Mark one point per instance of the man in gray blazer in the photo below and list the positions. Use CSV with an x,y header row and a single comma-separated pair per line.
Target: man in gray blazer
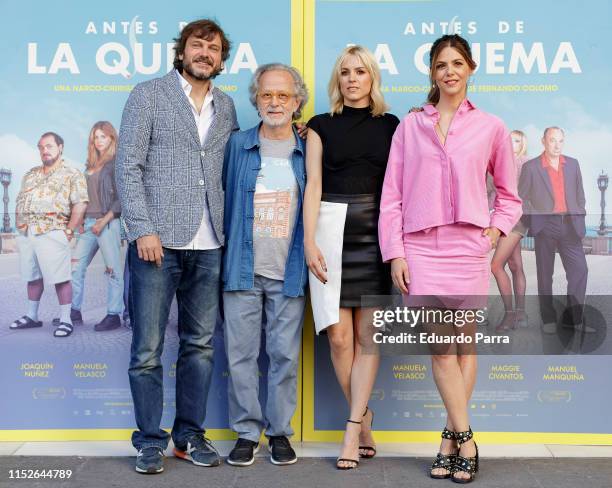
x,y
554,210
168,171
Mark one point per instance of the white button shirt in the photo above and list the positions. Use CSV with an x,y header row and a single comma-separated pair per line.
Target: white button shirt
x,y
205,238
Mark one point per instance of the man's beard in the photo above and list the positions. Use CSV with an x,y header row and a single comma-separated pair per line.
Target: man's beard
x,y
51,162
269,121
188,67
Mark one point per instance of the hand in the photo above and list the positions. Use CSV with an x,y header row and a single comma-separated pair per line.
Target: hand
x,y
302,130
69,236
150,249
81,229
493,234
98,227
316,262
400,274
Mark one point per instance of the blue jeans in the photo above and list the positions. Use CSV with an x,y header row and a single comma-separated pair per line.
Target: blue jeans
x,y
283,329
194,277
109,243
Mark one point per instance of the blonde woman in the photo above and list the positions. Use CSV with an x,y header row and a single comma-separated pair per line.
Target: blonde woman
x,y
101,227
508,252
346,157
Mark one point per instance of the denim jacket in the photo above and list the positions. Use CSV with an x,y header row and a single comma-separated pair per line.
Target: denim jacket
x,y
240,169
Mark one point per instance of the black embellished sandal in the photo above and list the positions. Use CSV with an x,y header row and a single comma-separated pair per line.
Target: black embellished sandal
x,y
368,448
354,462
466,464
444,461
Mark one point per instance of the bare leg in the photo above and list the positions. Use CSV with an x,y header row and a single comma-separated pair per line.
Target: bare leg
x,y
342,350
342,347
363,375
468,365
455,377
64,292
519,282
35,290
505,248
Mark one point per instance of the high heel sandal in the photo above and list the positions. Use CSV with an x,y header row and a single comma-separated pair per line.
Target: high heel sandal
x,y
347,460
368,448
444,461
468,465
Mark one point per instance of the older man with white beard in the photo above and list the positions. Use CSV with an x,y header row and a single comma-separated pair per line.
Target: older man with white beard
x,y
263,266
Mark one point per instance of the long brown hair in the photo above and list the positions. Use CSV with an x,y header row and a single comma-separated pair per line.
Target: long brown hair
x,y
456,42
94,157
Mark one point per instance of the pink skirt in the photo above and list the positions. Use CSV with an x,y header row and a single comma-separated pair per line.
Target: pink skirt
x,y
449,261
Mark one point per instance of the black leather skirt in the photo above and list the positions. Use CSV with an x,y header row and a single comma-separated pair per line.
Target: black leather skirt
x,y
363,272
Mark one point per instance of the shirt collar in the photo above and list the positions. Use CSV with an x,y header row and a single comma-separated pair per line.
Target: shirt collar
x,y
252,139
546,161
58,166
186,86
466,105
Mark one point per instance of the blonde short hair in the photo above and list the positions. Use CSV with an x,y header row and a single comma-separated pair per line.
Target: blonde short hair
x,y
377,101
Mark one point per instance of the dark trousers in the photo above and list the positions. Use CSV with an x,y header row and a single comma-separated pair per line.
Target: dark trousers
x,y
193,276
559,235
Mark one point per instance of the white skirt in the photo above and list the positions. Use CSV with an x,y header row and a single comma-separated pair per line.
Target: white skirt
x,y
329,237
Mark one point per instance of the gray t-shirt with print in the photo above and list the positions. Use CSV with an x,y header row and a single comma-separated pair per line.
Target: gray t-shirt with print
x,y
275,204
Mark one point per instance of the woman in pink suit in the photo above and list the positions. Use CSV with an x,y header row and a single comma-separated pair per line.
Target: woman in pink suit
x,y
435,227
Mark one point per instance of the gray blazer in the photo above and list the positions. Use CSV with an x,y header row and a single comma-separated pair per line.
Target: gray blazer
x,y
164,176
535,189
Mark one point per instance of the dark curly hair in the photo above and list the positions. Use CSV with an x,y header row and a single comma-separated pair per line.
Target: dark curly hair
x,y
203,29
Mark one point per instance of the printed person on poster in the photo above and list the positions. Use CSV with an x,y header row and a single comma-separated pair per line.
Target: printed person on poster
x,y
554,204
49,208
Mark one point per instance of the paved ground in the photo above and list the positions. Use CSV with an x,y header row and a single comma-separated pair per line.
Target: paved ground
x,y
312,472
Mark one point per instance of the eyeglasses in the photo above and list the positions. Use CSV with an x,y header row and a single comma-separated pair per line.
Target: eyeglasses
x,y
282,97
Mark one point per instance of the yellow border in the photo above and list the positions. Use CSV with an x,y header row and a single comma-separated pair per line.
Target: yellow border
x,y
297,61
90,435
308,70
303,58
308,429
309,434
43,435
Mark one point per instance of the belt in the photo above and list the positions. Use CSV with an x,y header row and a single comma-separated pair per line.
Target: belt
x,y
565,218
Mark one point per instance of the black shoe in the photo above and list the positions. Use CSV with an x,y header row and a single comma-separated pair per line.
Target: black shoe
x,y
199,450
109,322
243,453
281,452
469,465
75,317
444,461
150,460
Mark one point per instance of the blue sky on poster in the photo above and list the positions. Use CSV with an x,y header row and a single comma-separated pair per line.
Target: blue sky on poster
x,y
580,104
31,105
34,32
